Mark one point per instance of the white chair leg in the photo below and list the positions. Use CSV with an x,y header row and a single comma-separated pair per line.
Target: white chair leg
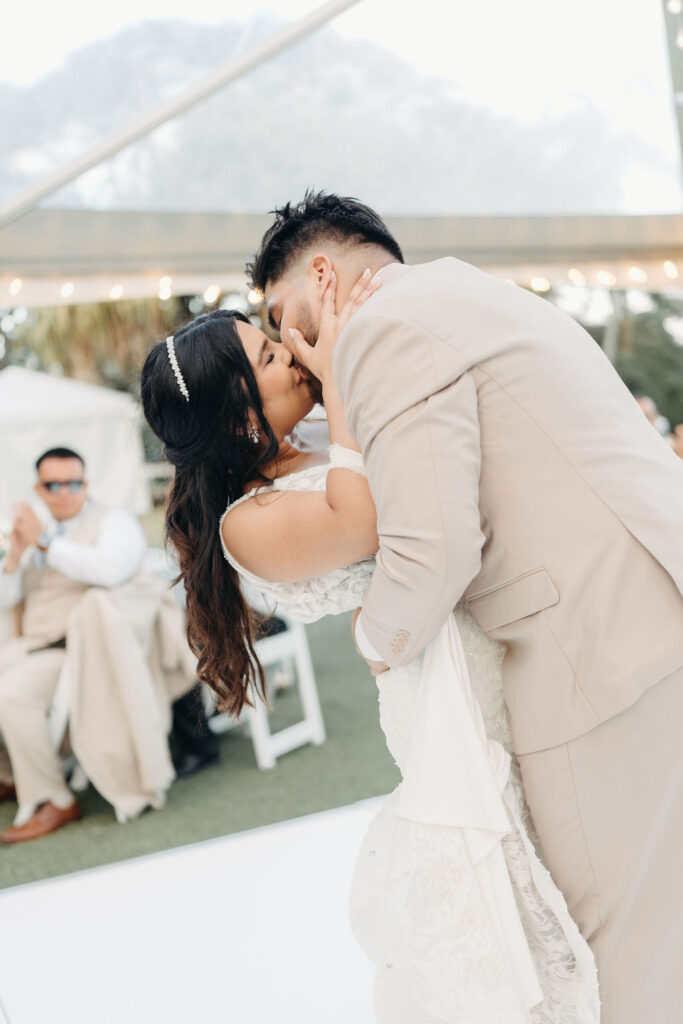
x,y
58,720
268,746
307,686
58,715
79,781
259,728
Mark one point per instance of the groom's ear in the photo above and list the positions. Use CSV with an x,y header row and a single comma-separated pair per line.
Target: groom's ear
x,y
320,268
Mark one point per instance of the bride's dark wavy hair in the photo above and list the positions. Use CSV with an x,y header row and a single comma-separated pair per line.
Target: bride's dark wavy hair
x,y
206,438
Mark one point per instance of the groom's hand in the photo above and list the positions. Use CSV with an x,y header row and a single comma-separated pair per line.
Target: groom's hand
x,y
376,667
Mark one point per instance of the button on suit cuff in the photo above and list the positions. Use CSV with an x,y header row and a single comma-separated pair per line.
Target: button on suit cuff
x,y
364,645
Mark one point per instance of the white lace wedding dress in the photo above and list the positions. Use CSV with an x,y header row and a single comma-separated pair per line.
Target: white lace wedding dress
x,y
416,902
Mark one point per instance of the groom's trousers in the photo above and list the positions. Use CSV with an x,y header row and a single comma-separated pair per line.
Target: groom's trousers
x,y
608,809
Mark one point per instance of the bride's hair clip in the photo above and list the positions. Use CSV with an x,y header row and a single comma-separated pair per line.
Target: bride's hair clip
x,y
176,369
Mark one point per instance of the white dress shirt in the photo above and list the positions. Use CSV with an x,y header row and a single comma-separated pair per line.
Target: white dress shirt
x,y
312,434
113,559
364,645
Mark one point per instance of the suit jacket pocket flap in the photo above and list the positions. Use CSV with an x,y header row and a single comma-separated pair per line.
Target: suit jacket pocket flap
x,y
522,596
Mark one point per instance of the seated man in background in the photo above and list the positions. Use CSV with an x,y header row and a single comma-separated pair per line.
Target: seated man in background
x,y
84,544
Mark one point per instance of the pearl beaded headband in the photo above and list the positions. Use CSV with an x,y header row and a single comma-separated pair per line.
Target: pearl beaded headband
x,y
176,369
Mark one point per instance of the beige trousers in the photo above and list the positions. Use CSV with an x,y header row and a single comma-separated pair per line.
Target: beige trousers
x,y
27,687
608,808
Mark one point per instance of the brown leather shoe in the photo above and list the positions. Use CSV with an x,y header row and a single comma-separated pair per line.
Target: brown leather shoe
x,y
46,819
7,791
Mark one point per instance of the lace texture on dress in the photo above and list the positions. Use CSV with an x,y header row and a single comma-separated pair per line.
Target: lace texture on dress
x,y
415,903
329,594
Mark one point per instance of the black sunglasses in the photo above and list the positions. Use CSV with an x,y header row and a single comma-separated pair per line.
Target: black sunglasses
x,y
55,486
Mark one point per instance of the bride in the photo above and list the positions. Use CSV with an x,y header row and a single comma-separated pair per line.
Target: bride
x,y
457,936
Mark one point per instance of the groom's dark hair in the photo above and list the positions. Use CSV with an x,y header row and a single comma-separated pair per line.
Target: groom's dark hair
x,y
320,216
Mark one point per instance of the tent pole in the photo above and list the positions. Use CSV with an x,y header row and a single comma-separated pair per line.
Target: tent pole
x,y
206,87
673,26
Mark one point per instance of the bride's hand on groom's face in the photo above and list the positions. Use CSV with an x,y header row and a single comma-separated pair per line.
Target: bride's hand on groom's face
x,y
317,359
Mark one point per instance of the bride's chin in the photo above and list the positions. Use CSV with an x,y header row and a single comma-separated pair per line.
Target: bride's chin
x,y
304,406
308,402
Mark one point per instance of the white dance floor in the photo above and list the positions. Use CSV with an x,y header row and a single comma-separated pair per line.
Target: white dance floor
x,y
251,928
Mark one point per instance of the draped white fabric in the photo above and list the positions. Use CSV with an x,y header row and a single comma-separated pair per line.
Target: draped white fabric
x,y
454,775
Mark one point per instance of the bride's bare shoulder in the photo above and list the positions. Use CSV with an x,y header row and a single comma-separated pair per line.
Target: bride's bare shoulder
x,y
243,521
274,534
242,513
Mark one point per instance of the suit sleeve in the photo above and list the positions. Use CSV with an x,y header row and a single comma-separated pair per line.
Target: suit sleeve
x,y
413,409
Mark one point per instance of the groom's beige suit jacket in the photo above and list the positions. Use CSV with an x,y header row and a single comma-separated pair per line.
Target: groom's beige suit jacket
x,y
510,466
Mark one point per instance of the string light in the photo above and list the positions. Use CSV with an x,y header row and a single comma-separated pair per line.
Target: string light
x,y
165,288
606,278
576,277
255,297
116,292
67,289
679,38
674,6
15,286
671,270
638,275
540,284
212,294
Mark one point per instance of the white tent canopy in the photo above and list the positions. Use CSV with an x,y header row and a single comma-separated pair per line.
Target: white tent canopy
x,y
154,171
39,411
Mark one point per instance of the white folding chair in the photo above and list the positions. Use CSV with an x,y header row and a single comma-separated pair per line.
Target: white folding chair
x,y
292,645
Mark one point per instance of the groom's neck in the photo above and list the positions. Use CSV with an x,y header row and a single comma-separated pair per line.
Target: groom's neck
x,y
352,265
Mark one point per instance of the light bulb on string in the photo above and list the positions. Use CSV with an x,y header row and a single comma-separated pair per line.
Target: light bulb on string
x,y
212,294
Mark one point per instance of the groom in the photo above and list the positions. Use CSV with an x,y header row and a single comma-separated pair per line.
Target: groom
x,y
511,467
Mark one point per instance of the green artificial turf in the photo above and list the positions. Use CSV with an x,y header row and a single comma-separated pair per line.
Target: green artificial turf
x,y
234,795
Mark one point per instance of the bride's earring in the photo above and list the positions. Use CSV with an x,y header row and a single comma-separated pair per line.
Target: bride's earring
x,y
253,434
